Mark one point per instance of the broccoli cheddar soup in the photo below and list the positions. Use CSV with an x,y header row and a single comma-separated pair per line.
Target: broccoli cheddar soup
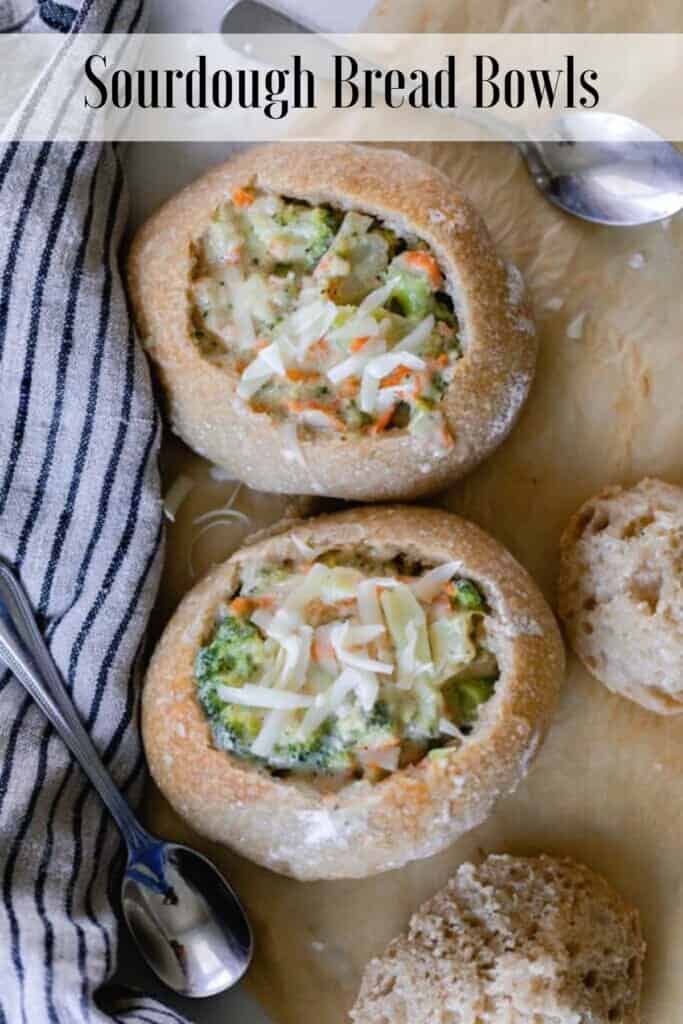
x,y
347,666
333,320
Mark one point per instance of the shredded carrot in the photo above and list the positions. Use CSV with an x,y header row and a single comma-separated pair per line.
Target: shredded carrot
x,y
395,377
302,375
241,606
296,405
349,387
323,264
260,343
419,260
442,359
321,650
319,347
242,197
264,601
383,422
447,438
420,384
358,343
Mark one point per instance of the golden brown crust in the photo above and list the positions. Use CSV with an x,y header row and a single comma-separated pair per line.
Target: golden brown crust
x,y
491,380
293,828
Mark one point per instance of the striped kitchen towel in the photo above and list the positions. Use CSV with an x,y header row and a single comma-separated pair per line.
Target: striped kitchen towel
x,y
80,521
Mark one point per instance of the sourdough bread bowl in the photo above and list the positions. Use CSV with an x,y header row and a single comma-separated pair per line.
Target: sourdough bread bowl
x,y
513,940
621,591
332,319
352,693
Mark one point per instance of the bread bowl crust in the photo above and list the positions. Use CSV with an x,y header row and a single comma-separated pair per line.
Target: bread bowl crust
x,y
294,828
491,380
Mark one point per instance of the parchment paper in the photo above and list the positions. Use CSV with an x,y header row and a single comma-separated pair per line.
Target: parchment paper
x,y
607,406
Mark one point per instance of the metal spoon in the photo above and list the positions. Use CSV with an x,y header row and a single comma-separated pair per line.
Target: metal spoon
x,y
632,176
185,918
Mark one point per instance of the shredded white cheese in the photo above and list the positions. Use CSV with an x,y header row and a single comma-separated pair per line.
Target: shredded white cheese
x,y
262,697
428,586
419,334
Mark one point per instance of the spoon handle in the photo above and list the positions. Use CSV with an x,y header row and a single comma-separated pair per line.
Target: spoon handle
x,y
255,18
24,652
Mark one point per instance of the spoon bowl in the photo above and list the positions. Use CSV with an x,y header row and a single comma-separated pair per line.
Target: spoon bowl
x,y
631,176
186,919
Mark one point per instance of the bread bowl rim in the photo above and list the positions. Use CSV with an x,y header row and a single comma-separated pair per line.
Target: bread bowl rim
x,y
206,785
491,380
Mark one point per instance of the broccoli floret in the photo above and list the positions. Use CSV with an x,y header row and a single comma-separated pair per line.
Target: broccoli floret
x,y
380,716
234,654
371,730
411,292
210,700
316,225
322,753
236,728
244,723
322,225
473,693
463,698
467,596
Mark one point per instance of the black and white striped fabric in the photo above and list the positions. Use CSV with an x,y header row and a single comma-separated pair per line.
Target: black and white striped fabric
x,y
80,520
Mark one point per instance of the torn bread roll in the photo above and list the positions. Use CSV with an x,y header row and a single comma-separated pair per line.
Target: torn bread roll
x,y
621,591
353,693
332,319
512,940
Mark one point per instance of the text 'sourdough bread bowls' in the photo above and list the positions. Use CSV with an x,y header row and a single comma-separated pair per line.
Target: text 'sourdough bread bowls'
x,y
332,319
352,693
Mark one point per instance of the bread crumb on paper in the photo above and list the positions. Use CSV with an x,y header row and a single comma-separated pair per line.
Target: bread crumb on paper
x,y
636,261
575,326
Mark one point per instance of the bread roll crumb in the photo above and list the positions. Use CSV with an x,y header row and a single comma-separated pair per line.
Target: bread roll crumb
x,y
621,591
511,941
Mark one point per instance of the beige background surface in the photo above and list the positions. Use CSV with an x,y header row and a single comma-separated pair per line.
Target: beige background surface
x,y
607,406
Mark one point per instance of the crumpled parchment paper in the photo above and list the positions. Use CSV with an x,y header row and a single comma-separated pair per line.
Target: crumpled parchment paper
x,y
607,406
